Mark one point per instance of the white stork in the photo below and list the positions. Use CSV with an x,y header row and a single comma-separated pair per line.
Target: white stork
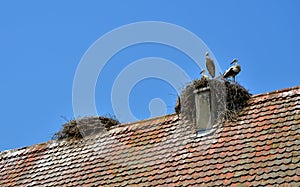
x,y
210,65
203,74
233,70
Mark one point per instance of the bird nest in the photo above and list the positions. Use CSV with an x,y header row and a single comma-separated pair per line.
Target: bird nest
x,y
108,122
73,130
69,131
200,83
237,99
230,97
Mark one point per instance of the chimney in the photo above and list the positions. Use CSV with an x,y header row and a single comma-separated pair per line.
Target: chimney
x,y
210,105
203,109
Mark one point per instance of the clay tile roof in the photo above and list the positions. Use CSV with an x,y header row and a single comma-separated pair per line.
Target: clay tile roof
x,y
260,148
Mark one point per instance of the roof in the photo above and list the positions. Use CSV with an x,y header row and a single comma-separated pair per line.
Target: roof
x,y
260,148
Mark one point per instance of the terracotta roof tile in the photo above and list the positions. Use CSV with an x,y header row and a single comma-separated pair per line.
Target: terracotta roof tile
x,y
261,147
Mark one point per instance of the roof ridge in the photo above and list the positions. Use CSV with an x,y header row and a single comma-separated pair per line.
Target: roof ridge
x,y
144,120
277,91
15,151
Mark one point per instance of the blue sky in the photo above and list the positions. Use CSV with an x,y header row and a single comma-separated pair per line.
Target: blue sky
x,y
42,43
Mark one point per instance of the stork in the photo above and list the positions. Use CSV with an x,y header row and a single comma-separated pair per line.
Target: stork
x,y
233,70
210,65
178,106
203,74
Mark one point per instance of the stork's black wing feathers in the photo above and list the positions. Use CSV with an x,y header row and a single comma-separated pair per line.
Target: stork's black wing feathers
x,y
229,73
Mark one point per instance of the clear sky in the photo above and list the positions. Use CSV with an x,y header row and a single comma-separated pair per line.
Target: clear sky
x,y
42,43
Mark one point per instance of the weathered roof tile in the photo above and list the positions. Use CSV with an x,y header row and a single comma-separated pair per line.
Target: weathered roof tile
x,y
260,148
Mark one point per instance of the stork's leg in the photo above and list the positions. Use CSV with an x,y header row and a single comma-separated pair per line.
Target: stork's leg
x,y
233,78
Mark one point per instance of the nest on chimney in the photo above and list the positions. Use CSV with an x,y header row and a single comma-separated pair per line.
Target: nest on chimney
x,y
188,105
71,132
200,83
236,98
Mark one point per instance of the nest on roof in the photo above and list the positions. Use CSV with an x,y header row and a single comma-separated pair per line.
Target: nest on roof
x,y
188,104
235,97
69,131
109,122
72,131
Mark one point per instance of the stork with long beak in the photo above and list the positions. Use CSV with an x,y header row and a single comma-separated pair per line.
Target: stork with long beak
x,y
210,65
203,74
233,70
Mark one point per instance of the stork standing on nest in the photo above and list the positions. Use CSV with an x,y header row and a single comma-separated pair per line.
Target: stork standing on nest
x,y
233,70
210,65
203,74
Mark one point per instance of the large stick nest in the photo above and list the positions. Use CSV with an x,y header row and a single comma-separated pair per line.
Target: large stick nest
x,y
69,131
237,99
72,130
231,98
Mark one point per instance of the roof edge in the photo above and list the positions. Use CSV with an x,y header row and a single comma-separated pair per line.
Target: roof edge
x,y
296,88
